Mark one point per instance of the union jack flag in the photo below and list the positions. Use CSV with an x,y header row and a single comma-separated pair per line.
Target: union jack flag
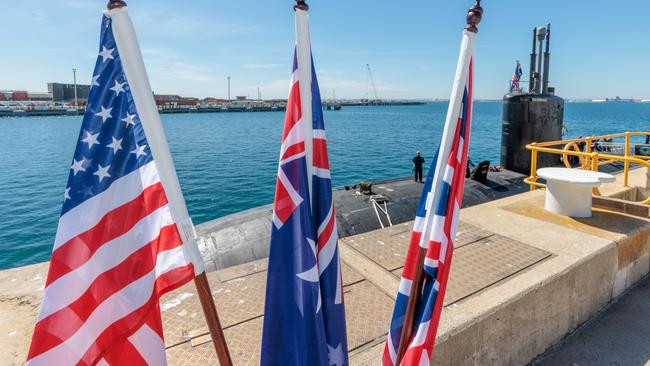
x,y
117,248
304,316
443,218
514,85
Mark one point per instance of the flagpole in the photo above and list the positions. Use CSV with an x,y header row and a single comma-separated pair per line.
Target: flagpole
x,y
136,74
469,35
303,53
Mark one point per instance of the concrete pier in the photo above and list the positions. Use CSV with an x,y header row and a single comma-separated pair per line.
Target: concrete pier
x,y
521,280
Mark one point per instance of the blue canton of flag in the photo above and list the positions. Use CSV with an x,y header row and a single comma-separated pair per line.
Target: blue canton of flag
x,y
106,150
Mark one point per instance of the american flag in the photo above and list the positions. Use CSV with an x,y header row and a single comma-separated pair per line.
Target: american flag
x,y
516,77
443,216
117,248
304,316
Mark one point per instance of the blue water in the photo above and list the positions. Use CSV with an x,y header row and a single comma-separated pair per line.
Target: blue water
x,y
227,162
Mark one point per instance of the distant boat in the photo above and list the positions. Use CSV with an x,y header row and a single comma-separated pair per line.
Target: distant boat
x,y
599,100
645,100
619,99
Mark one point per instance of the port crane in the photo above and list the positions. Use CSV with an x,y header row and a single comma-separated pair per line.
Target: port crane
x,y
372,81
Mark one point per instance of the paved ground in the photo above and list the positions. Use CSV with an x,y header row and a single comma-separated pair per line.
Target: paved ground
x,y
619,336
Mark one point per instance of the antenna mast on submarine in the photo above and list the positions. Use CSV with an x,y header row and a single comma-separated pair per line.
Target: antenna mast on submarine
x,y
540,63
547,58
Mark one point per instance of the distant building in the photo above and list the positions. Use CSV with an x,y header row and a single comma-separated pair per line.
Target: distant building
x,y
19,96
65,92
164,100
39,97
241,97
214,101
23,96
189,102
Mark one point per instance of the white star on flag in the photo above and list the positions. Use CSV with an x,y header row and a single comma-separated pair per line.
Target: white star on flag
x,y
78,166
102,172
118,88
129,119
94,82
106,53
90,139
116,145
105,113
312,275
139,150
335,355
66,195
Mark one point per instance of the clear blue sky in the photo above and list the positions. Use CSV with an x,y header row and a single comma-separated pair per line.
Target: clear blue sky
x,y
600,48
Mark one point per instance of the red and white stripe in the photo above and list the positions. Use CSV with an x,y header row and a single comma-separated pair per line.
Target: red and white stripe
x,y
115,255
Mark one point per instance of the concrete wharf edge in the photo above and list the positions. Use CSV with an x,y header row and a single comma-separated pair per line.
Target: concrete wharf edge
x,y
510,322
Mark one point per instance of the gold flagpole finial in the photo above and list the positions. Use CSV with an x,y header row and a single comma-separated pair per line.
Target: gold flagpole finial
x,y
474,17
301,5
114,4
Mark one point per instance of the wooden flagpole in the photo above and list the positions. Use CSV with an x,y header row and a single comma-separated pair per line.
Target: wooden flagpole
x,y
212,318
473,19
158,145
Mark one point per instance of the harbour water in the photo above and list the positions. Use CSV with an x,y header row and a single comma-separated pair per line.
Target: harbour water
x,y
227,162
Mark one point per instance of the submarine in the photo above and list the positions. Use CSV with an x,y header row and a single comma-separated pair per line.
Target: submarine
x,y
535,115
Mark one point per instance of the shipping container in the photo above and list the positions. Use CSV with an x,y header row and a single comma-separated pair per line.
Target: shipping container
x,y
20,96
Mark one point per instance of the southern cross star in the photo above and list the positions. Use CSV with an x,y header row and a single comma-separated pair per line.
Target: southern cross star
x,y
335,355
312,275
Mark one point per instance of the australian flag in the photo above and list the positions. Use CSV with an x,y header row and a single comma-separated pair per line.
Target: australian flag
x,y
304,315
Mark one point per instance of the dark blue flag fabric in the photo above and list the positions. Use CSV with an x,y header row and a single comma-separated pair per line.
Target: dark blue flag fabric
x,y
304,314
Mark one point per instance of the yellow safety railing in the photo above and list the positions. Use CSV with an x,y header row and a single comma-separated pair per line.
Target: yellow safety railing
x,y
589,160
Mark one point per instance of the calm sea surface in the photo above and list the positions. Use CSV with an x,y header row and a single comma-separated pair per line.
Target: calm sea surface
x,y
227,162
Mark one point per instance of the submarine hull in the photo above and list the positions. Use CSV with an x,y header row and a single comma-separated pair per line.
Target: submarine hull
x,y
529,118
244,237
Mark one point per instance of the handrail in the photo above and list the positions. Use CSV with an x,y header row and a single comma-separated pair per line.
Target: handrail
x,y
589,160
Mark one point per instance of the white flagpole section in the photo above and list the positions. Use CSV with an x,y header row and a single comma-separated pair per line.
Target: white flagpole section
x,y
136,75
303,52
451,122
